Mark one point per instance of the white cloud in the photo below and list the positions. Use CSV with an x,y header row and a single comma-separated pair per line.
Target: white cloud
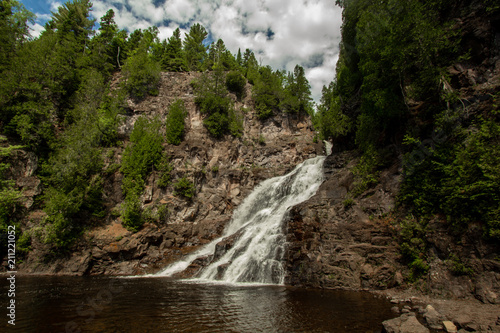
x,y
282,33
36,29
54,5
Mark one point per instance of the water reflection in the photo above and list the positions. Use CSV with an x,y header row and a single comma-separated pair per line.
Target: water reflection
x,y
98,304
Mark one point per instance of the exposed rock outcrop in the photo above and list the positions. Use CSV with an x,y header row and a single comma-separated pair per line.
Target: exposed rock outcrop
x,y
339,244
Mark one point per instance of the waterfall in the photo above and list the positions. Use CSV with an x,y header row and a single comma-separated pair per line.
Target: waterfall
x,y
256,229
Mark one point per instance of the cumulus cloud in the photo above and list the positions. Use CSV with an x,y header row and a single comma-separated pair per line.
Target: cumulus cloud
x,y
282,33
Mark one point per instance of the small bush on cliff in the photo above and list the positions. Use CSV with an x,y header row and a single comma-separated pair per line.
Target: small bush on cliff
x,y
413,246
142,75
165,169
213,100
235,82
132,213
185,188
365,171
175,122
142,154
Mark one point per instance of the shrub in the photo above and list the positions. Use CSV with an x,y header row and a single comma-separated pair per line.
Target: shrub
x,y
142,75
132,213
140,157
165,169
217,124
235,82
184,187
175,122
142,154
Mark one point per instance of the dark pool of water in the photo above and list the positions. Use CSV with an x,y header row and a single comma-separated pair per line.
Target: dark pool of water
x,y
103,304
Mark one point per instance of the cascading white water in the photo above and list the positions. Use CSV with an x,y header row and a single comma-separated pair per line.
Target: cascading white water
x,y
258,252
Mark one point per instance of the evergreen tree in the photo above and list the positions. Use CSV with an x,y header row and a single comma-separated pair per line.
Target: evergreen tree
x,y
219,55
174,59
175,122
194,49
250,66
297,93
104,54
268,92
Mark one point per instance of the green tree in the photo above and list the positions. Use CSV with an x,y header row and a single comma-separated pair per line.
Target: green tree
x,y
250,66
72,175
174,59
194,49
9,195
297,92
235,82
141,75
139,159
219,55
268,93
331,122
104,50
175,122
14,29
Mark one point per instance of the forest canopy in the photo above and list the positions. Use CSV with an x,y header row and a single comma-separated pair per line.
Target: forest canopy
x,y
57,101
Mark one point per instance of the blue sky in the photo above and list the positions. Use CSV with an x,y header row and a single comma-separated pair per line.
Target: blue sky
x,y
282,33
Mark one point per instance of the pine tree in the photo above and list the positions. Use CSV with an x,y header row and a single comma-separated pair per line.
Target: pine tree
x,y
194,49
174,59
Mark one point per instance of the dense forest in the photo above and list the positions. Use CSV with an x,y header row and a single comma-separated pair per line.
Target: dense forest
x,y
396,95
56,101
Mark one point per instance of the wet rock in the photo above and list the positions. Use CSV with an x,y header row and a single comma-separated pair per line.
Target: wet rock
x,y
225,245
404,324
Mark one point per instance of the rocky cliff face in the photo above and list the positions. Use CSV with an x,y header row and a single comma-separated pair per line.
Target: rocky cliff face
x,y
223,171
334,242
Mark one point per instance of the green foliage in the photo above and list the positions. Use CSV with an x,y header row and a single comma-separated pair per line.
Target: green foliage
x,y
141,75
458,178
9,195
235,120
218,55
175,122
391,53
174,59
458,267
297,93
235,82
217,124
72,175
413,246
142,154
132,212
23,243
213,100
250,66
184,188
348,203
331,122
268,93
471,187
140,157
365,172
194,48
165,169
